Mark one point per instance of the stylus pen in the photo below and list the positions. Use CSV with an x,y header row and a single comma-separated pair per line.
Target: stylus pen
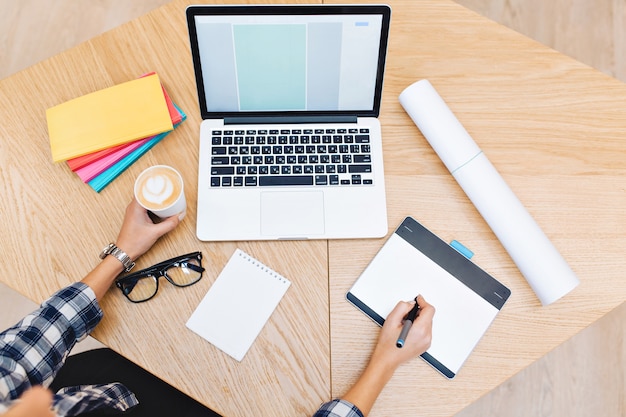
x,y
408,322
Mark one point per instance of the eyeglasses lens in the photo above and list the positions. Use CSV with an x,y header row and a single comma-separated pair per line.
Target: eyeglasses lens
x,y
184,275
140,290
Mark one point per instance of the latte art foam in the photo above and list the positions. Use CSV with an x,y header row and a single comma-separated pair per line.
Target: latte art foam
x,y
158,187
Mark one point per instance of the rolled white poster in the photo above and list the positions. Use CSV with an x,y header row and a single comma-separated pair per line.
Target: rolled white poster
x,y
539,261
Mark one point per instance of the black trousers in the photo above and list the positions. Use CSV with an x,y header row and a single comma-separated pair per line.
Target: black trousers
x,y
156,398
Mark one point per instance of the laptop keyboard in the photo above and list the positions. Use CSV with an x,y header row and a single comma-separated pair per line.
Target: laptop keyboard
x,y
285,157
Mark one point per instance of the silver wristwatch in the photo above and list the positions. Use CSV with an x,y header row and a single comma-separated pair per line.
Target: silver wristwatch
x,y
119,254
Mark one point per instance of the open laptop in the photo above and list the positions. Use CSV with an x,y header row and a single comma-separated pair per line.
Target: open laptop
x,y
290,143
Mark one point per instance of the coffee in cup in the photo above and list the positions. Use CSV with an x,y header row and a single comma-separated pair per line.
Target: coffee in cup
x,y
160,190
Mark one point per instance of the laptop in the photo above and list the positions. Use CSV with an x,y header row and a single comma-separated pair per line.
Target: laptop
x,y
290,143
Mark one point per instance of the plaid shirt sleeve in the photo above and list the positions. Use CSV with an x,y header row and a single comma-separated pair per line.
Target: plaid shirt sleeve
x,y
32,351
338,408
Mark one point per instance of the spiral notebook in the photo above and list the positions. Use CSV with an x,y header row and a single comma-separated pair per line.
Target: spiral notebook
x,y
238,304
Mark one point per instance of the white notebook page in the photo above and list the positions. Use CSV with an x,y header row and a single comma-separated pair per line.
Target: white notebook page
x,y
238,304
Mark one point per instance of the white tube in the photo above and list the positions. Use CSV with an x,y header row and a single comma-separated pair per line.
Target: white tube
x,y
540,263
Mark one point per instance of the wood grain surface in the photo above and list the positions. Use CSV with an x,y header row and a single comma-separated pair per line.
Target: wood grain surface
x,y
58,225
553,127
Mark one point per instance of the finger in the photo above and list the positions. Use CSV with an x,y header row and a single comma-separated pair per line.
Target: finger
x,y
427,311
135,206
168,224
399,311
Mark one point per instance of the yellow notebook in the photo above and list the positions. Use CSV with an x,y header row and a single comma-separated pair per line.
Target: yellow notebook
x,y
119,114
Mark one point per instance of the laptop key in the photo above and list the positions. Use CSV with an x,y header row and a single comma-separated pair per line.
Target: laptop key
x,y
220,160
359,168
265,181
222,171
219,150
215,181
321,180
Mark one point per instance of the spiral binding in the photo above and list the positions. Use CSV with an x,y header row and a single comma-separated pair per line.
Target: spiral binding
x,y
262,266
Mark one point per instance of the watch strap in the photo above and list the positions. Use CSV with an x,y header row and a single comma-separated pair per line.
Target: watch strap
x,y
120,255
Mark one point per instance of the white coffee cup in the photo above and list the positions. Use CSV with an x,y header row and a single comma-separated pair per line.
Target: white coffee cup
x,y
160,189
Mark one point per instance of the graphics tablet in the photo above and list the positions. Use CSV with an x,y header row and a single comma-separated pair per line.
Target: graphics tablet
x,y
414,261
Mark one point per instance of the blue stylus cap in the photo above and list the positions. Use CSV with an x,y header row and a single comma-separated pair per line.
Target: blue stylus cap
x,y
463,250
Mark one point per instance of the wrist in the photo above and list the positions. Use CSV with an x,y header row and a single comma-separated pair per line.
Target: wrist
x,y
381,368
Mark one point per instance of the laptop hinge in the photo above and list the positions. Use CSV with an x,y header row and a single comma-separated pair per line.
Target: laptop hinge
x,y
247,120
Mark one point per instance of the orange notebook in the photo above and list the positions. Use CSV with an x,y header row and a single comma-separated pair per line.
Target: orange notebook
x,y
120,114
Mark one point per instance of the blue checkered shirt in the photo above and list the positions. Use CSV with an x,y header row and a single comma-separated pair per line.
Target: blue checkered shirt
x,y
338,408
33,351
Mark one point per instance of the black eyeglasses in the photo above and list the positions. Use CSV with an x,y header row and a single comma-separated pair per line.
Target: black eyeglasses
x,y
181,271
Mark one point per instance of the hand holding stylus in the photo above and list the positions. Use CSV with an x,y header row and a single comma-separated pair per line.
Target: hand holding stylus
x,y
408,322
387,357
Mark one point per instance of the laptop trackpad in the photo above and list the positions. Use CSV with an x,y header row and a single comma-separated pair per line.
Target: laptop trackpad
x,y
292,213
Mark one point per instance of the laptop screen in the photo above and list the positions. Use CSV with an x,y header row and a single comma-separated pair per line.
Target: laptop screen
x,y
269,60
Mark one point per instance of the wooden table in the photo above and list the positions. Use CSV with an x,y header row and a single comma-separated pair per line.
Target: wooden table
x,y
553,127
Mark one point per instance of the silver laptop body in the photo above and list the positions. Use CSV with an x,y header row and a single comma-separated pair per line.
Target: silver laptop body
x,y
290,143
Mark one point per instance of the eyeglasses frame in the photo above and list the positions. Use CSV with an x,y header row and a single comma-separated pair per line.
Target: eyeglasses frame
x,y
160,270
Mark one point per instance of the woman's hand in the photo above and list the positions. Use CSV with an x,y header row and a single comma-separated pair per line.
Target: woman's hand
x,y
139,232
417,341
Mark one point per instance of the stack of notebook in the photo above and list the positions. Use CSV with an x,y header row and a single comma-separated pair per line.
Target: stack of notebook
x,y
101,134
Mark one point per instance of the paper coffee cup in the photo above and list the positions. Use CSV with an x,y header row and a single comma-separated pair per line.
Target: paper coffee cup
x,y
160,189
